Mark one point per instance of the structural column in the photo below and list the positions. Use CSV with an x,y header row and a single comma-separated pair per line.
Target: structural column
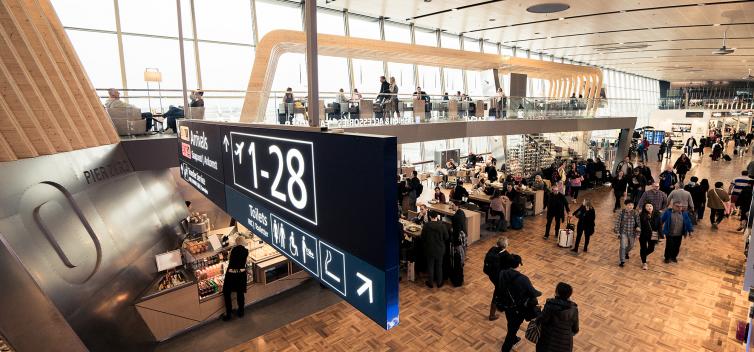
x,y
310,30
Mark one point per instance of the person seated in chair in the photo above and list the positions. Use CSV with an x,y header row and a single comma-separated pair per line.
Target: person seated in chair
x,y
113,102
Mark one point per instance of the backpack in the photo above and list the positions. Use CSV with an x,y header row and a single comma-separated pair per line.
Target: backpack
x,y
419,189
668,181
492,262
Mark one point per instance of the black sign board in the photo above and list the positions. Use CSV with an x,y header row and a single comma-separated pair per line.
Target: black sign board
x,y
695,114
325,200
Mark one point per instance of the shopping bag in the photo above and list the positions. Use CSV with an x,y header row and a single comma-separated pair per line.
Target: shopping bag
x,y
411,272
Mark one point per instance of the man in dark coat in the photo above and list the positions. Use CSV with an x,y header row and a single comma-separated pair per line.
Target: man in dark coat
x,y
559,321
458,223
503,260
433,238
519,298
235,279
557,207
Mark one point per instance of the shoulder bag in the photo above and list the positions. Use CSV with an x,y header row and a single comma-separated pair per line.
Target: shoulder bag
x,y
727,205
533,331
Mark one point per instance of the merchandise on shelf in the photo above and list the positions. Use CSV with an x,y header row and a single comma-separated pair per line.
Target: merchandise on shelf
x,y
197,247
171,279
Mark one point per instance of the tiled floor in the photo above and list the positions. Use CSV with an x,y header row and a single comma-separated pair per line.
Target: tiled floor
x,y
689,306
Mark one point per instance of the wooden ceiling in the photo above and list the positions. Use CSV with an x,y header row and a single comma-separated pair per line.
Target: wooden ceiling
x,y
670,40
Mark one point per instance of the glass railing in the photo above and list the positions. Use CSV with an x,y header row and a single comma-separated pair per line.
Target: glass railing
x,y
350,110
705,103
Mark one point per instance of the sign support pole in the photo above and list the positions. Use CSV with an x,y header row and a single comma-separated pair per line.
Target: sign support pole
x,y
310,28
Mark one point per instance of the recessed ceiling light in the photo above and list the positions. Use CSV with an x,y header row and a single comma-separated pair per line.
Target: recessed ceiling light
x,y
492,20
621,43
549,37
716,25
560,18
548,8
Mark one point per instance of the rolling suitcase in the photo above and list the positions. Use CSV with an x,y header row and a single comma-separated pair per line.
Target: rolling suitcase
x,y
726,157
565,237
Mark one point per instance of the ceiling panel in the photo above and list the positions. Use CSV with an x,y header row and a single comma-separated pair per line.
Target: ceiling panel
x,y
656,35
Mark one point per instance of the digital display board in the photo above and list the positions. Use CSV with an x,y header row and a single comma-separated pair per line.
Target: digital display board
x,y
325,200
659,137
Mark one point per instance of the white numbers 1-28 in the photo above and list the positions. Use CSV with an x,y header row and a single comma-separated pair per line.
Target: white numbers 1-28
x,y
295,184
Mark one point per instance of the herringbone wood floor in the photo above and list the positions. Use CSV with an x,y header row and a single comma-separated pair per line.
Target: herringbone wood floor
x,y
689,306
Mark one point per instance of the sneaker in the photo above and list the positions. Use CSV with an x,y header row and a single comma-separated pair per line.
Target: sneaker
x,y
621,264
546,237
740,229
574,250
626,256
644,266
714,226
667,261
225,317
429,284
674,260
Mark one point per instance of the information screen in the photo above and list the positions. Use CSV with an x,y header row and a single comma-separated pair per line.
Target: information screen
x,y
327,201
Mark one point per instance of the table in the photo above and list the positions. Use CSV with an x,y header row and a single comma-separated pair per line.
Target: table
x,y
410,234
481,197
473,219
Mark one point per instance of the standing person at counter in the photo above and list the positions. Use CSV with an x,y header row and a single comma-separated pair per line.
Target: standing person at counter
x,y
235,279
433,237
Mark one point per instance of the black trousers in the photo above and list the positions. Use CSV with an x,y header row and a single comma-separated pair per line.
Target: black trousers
x,y
514,323
434,268
558,220
234,282
579,231
716,216
672,246
646,247
617,200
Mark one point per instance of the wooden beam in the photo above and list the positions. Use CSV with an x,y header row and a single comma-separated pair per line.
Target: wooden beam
x,y
13,135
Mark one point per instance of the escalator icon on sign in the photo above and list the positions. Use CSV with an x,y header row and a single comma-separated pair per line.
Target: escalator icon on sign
x,y
333,267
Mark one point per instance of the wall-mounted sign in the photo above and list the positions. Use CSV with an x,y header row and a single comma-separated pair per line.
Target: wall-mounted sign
x,y
681,127
326,201
695,114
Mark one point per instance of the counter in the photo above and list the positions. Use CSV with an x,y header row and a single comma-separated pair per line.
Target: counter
x,y
198,300
473,219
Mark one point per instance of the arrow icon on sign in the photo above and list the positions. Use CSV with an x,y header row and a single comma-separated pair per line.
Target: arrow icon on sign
x,y
225,142
366,286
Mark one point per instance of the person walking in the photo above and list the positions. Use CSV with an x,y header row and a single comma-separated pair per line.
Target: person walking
x,y
670,148
650,232
690,144
668,180
585,214
626,228
497,259
559,321
683,196
716,202
698,191
557,208
434,235
717,150
575,178
620,185
676,224
653,196
682,166
235,279
515,295
636,185
661,152
744,204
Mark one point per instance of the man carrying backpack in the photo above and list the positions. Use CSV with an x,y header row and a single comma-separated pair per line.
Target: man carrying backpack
x,y
668,179
518,298
498,258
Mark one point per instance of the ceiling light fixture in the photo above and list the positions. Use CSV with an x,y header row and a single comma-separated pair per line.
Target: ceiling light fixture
x,y
561,18
548,8
716,25
454,9
621,43
492,20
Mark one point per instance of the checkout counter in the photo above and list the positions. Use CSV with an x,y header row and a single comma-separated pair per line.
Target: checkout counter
x,y
188,290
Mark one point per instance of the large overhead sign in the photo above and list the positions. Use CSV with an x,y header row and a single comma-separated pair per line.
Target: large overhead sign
x,y
327,201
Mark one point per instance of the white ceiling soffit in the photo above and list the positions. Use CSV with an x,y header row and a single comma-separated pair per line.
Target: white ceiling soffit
x,y
670,40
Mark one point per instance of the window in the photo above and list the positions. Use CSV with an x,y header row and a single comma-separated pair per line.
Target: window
x,y
453,80
156,17
450,41
219,60
363,27
429,80
78,13
333,74
330,22
272,15
99,55
141,53
404,77
366,75
470,44
425,37
397,33
490,48
225,21
291,72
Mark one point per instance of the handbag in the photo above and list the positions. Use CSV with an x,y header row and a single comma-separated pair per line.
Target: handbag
x,y
727,205
533,331
655,236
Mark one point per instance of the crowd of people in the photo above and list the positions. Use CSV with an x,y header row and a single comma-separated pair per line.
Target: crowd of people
x,y
649,209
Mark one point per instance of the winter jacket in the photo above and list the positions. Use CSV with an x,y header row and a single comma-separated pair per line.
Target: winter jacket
x,y
521,290
682,166
586,218
559,322
619,185
667,215
649,223
716,197
434,236
557,205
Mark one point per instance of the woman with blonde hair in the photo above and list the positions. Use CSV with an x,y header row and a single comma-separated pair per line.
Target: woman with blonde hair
x,y
393,97
585,214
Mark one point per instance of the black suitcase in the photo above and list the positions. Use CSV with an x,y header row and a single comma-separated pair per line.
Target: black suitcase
x,y
456,268
726,157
